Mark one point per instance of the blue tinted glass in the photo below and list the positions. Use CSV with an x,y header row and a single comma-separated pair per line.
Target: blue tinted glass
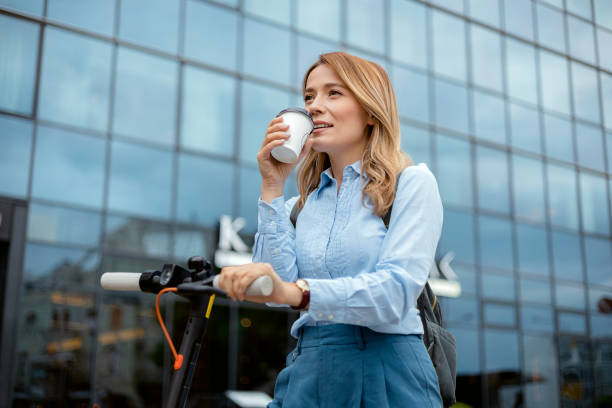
x,y
604,45
562,200
572,323
189,241
204,190
207,120
467,345
451,106
140,180
532,247
485,10
412,92
592,195
458,235
68,167
597,299
260,105
409,33
74,69
502,315
579,7
603,13
417,143
308,53
467,279
52,266
153,23
250,191
581,39
145,97
449,45
17,64
498,287
454,5
320,17
501,350
540,369
210,34
461,311
492,179
264,43
590,150
366,25
489,117
16,142
598,255
567,256
606,95
495,242
525,128
28,6
486,58
555,89
518,18
137,235
276,10
551,30
527,176
63,225
521,71
570,296
454,172
601,327
558,138
609,152
584,87
537,319
535,291
88,14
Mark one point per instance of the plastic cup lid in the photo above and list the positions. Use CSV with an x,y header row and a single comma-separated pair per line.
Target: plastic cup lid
x,y
299,110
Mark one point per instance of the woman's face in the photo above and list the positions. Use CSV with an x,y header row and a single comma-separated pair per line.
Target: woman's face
x,y
340,121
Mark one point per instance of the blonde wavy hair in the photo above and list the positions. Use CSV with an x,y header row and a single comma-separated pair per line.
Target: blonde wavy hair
x,y
382,159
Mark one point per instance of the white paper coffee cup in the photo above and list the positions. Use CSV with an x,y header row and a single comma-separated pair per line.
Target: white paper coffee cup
x,y
300,127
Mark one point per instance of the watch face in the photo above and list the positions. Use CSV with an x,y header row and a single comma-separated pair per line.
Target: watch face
x,y
302,284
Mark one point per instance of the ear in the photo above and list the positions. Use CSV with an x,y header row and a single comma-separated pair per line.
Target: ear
x,y
370,120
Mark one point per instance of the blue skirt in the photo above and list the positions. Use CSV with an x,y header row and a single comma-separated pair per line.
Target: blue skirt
x,y
348,366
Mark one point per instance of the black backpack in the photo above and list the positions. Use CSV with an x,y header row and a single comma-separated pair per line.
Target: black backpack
x,y
439,342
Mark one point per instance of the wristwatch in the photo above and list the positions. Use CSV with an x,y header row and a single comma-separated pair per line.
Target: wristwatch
x,y
303,286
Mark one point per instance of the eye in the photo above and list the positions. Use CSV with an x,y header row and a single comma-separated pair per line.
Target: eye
x,y
307,98
334,92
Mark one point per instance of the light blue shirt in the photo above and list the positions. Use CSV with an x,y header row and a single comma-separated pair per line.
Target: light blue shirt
x,y
359,273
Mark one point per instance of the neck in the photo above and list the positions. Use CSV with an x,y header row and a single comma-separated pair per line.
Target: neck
x,y
339,163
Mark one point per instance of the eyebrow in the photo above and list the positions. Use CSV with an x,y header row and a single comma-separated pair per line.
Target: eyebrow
x,y
327,85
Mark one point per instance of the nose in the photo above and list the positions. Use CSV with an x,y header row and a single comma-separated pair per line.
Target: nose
x,y
316,106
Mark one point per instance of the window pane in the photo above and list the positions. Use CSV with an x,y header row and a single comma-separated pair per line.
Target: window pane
x,y
409,33
17,64
586,98
467,345
140,180
210,34
603,13
551,31
78,68
417,143
555,89
570,296
276,10
492,179
596,297
558,138
562,200
485,10
525,128
264,43
535,291
461,311
590,147
49,266
151,23
581,39
598,255
567,256
28,6
68,167
365,25
606,95
502,315
499,287
496,243
572,323
250,191
604,44
486,58
63,225
91,15
601,328
592,195
412,92
198,179
521,71
454,5
454,173
452,106
320,17
143,237
527,175
518,18
208,113
489,117
501,350
16,142
190,241
449,45
458,235
537,319
579,7
532,246
540,370
467,279
307,54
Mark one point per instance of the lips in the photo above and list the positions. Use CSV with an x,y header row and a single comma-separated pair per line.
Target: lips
x,y
320,126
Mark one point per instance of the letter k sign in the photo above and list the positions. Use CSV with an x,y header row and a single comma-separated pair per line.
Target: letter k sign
x,y
228,234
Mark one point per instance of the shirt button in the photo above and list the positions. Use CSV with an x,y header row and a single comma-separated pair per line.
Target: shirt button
x,y
330,317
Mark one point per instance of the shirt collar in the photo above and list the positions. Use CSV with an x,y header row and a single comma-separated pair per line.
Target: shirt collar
x,y
326,176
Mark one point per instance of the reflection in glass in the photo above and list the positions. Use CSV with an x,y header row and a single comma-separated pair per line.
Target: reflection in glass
x,y
568,296
467,345
486,57
78,68
150,23
458,235
501,351
319,17
532,247
584,87
451,106
17,64
207,122
535,291
467,278
603,13
68,167
485,10
527,176
521,71
499,315
16,142
525,128
409,33
579,7
492,179
264,43
47,267
189,242
143,237
250,191
307,54
63,225
581,39
567,256
499,287
462,311
601,327
449,45
412,93
606,95
598,255
576,375
91,15
537,319
558,138
518,18
28,6
562,200
592,195
454,170
551,30
597,298
276,10
496,242
604,45
572,323
540,371
555,89
366,29
489,117
454,5
417,143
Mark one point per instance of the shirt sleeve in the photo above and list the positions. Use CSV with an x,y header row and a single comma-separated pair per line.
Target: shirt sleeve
x,y
384,296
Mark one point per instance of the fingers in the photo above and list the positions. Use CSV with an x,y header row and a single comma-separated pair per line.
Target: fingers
x,y
235,280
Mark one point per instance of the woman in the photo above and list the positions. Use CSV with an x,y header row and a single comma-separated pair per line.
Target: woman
x,y
359,333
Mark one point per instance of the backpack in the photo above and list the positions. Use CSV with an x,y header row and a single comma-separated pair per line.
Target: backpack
x,y
439,342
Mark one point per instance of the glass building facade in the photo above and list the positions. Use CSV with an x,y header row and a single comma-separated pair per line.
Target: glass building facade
x,y
128,128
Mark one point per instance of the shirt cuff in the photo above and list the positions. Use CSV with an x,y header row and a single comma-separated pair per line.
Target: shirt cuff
x,y
270,215
327,300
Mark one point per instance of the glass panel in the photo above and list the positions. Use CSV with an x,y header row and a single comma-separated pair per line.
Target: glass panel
x,y
461,311
467,345
264,43
570,297
495,242
525,128
319,17
551,30
499,287
492,179
540,371
589,144
599,300
521,71
417,143
454,173
250,191
579,7
501,315
189,242
208,111
485,10
145,97
556,3
366,25
137,235
28,6
576,375
308,53
48,266
63,225
449,45
601,327
211,34
412,92
78,68
598,255
91,15
275,10
452,106
532,249
18,64
567,256
558,138
604,44
467,279
555,89
16,142
537,319
535,291
68,167
409,33
501,351
140,180
603,13
150,23
606,95
586,98
592,195
489,117
458,235
572,323
454,5
562,200
518,18
602,348
528,188
581,39
486,58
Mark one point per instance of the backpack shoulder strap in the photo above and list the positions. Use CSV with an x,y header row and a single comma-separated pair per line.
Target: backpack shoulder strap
x,y
294,214
387,216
